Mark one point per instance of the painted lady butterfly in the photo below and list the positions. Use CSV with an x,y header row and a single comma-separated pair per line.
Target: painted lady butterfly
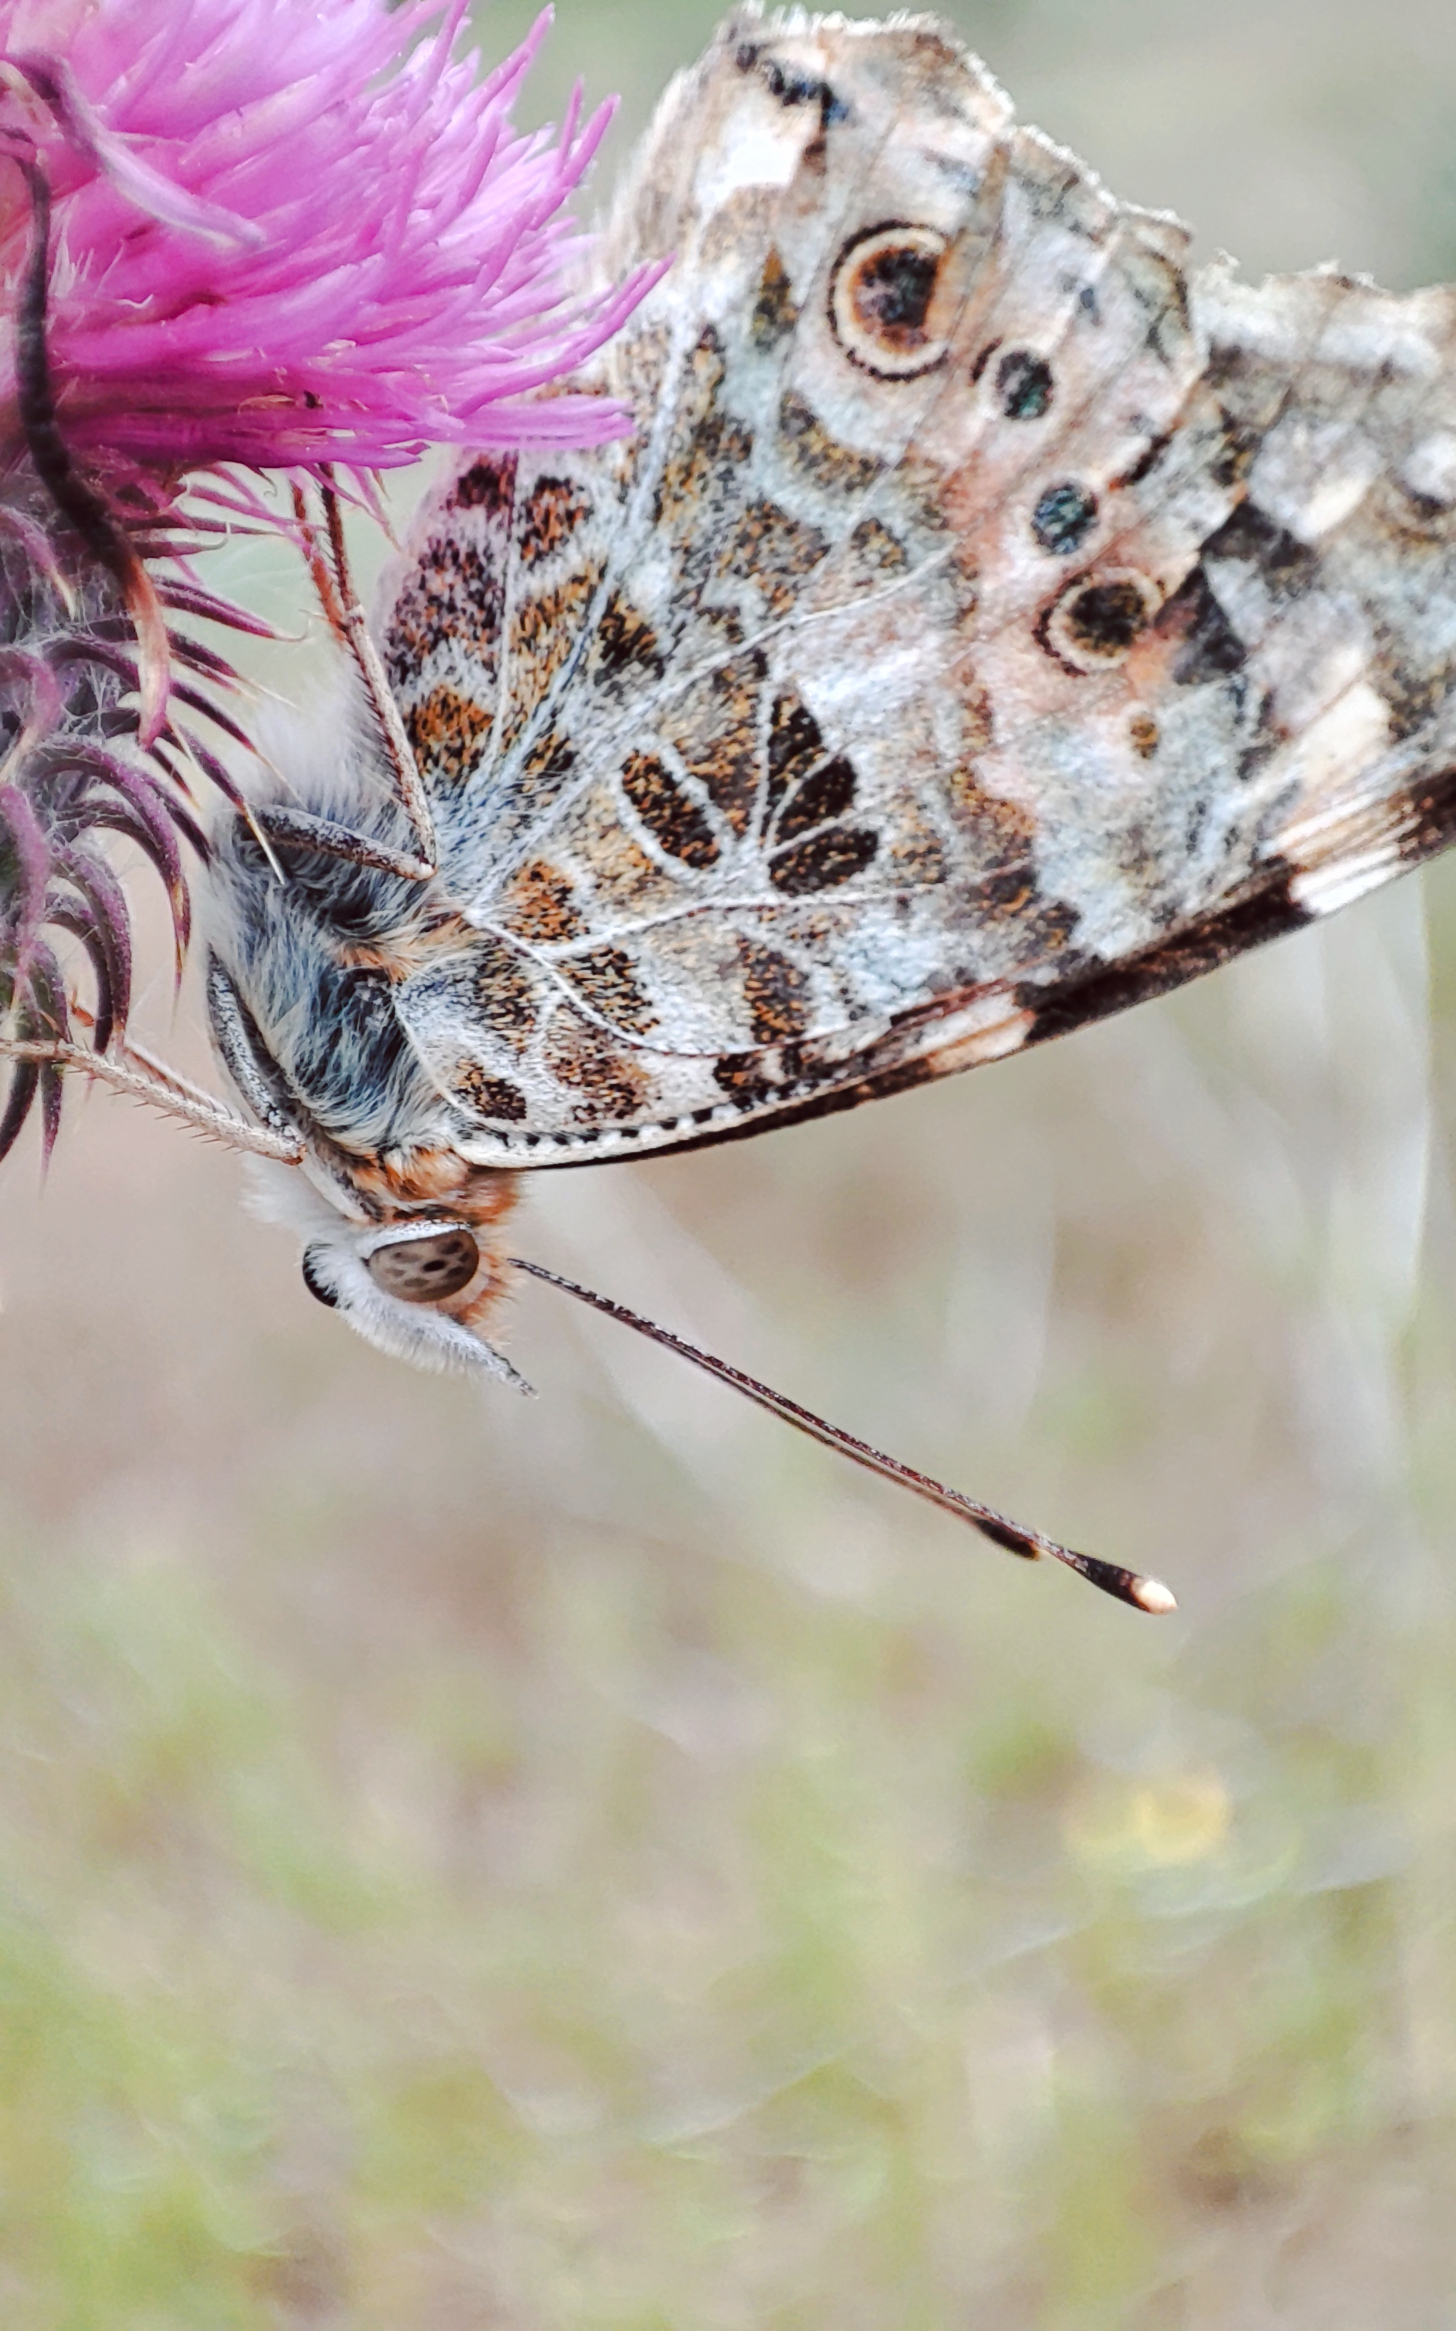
x,y
988,626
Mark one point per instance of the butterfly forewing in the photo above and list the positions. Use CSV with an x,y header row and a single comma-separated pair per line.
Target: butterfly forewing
x,y
985,625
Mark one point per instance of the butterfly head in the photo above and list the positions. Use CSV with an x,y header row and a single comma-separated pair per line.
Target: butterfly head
x,y
398,1230
417,1277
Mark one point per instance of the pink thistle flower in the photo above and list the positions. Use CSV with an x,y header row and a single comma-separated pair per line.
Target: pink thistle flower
x,y
266,233
277,240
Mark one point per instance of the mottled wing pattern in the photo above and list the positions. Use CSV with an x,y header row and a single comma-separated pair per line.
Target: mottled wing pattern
x,y
987,625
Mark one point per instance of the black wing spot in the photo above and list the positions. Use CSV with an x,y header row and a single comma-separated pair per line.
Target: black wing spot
x,y
1106,618
1144,735
1024,384
789,87
605,979
1064,517
1239,441
670,814
1282,559
775,311
828,793
448,731
1147,461
554,509
1212,648
492,1097
744,1077
486,485
894,289
776,991
824,861
795,744
821,457
455,596
502,992
549,762
625,641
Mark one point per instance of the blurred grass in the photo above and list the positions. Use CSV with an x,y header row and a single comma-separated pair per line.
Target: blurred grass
x,y
597,1864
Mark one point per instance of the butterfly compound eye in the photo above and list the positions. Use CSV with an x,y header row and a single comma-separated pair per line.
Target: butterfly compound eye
x,y
880,301
314,1280
426,1269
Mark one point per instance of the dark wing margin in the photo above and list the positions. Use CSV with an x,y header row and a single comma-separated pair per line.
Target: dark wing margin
x,y
1099,991
1033,1015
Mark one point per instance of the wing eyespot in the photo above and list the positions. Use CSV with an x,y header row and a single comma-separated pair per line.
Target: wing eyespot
x,y
881,300
1097,620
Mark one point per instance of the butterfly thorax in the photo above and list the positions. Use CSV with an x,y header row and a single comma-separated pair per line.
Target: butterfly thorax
x,y
316,952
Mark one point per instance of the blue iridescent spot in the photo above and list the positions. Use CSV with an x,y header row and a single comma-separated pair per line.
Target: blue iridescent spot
x,y
1063,518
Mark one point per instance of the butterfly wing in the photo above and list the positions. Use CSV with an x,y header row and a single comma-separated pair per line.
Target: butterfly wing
x,y
987,624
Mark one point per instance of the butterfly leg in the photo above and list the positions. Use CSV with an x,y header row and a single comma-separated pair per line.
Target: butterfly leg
x,y
159,1087
299,829
254,1074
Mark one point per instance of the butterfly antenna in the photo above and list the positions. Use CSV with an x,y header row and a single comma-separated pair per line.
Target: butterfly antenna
x,y
344,611
1128,1586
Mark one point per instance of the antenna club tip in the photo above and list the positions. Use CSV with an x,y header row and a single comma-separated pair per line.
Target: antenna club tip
x,y
1150,1594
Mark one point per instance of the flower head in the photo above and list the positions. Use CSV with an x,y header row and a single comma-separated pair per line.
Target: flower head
x,y
286,234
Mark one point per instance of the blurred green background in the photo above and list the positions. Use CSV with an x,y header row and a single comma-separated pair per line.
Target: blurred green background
x,y
601,1865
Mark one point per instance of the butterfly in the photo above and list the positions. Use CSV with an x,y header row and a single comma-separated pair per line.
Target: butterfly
x,y
986,625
